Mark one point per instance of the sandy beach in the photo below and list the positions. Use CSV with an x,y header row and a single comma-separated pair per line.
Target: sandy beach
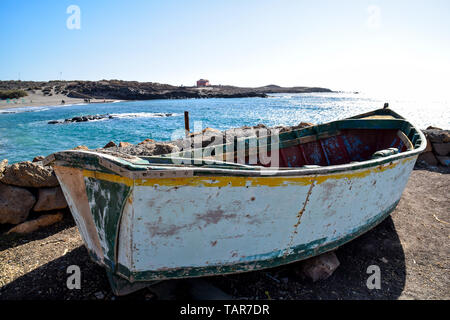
x,y
39,100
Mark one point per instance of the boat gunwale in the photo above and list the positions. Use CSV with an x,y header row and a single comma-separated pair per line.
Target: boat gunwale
x,y
124,167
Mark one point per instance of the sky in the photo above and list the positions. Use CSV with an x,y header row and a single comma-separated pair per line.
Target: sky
x,y
368,46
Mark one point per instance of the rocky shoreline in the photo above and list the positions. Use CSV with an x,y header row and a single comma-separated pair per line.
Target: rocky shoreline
x,y
97,117
133,90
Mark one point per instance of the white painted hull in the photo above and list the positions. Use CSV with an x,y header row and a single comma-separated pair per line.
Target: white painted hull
x,y
205,227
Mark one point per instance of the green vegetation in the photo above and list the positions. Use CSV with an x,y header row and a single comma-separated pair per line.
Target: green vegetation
x,y
12,94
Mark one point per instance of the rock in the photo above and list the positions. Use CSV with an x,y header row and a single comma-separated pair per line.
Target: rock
x,y
442,149
301,125
124,144
148,149
207,137
428,158
33,225
50,199
81,148
211,131
29,174
3,165
146,141
431,128
15,204
437,135
245,132
110,144
82,119
320,267
38,158
429,147
99,295
445,161
161,148
305,125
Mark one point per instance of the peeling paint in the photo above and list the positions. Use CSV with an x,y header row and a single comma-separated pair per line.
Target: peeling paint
x,y
217,222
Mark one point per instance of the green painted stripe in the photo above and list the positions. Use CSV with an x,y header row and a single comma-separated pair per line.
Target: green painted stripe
x,y
107,200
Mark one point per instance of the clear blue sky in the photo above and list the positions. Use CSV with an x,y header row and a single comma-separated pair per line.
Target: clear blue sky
x,y
343,45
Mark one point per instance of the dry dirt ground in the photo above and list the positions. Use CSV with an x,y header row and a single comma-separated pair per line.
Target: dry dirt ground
x,y
411,247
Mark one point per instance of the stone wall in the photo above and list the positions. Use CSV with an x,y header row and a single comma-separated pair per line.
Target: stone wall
x,y
437,152
29,191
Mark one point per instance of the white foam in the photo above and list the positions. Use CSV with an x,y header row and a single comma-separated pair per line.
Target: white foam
x,y
143,115
23,109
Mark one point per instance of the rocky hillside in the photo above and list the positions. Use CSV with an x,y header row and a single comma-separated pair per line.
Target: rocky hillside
x,y
133,90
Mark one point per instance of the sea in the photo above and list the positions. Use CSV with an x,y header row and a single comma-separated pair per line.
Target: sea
x,y
25,132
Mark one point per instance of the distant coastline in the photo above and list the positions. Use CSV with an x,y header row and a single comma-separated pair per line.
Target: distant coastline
x,y
51,93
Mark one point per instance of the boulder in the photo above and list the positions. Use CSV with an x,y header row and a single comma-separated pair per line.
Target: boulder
x,y
428,158
429,147
441,149
445,161
146,141
30,175
81,148
110,144
148,149
437,135
159,148
50,199
305,125
320,267
301,125
431,128
15,204
38,158
207,137
33,225
124,144
3,165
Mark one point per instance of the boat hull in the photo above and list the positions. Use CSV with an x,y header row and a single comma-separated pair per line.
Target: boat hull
x,y
154,229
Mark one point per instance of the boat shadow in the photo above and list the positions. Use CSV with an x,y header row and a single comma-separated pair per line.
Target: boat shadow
x,y
381,246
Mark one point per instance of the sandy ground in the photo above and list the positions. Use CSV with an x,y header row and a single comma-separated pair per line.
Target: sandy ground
x,y
39,100
411,247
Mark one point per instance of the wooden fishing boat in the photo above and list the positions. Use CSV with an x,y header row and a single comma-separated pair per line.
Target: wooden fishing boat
x,y
151,218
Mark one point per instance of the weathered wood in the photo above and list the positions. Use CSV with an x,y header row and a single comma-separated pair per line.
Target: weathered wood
x,y
186,123
227,218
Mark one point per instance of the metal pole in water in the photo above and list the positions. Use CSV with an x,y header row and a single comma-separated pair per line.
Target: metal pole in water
x,y
186,123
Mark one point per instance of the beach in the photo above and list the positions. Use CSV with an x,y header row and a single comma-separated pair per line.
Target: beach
x,y
39,100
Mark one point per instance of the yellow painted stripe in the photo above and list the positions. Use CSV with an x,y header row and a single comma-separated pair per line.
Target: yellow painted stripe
x,y
222,181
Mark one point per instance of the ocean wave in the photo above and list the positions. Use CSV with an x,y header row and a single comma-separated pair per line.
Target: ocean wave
x,y
23,110
143,115
103,117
